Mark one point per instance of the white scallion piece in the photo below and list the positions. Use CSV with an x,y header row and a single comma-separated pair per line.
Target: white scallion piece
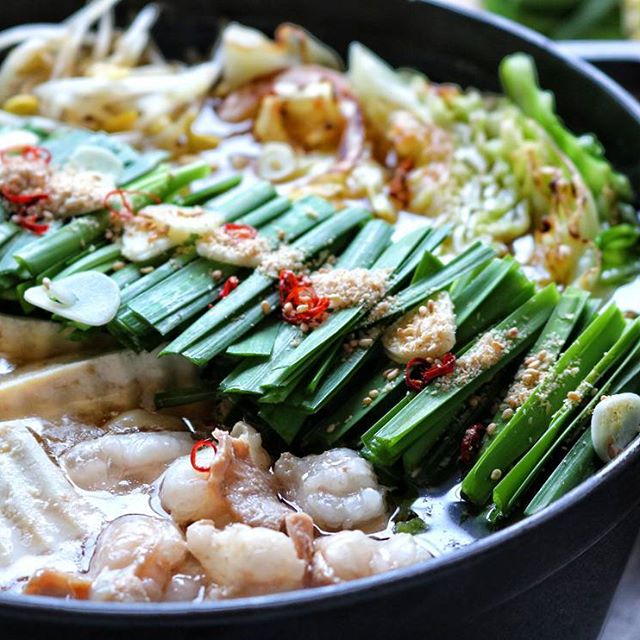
x,y
90,297
614,424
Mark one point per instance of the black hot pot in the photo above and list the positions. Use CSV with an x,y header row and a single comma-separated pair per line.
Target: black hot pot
x,y
551,576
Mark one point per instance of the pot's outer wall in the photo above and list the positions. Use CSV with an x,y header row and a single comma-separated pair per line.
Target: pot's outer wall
x,y
456,47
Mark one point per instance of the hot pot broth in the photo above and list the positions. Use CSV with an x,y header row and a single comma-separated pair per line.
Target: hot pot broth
x,y
291,325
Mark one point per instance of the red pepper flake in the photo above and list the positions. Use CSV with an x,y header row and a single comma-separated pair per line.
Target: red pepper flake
x,y
231,283
29,152
23,199
31,224
299,301
201,444
471,442
22,202
37,154
124,210
419,372
240,231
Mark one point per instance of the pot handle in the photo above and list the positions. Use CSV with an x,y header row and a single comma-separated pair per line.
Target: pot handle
x,y
619,59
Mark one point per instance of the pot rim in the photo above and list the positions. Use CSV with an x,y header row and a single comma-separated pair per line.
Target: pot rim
x,y
274,605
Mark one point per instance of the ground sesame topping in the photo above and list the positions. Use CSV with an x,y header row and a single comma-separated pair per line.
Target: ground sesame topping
x,y
283,259
531,373
232,248
383,307
350,287
481,356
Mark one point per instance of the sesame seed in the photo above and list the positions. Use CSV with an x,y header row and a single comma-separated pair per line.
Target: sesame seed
x,y
513,333
301,308
496,474
366,401
46,283
391,374
265,306
146,270
217,274
574,396
423,310
331,428
507,414
491,428
365,343
374,393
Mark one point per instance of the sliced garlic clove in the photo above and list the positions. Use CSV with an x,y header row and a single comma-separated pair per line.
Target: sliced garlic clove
x,y
90,298
17,138
182,223
277,161
614,424
89,157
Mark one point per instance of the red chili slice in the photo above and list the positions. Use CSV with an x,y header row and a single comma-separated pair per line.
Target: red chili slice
x,y
201,444
36,153
23,199
125,211
471,442
240,231
231,283
297,291
419,372
28,152
31,224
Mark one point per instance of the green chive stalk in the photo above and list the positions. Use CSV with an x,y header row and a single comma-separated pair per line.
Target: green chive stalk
x,y
581,461
530,420
428,412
